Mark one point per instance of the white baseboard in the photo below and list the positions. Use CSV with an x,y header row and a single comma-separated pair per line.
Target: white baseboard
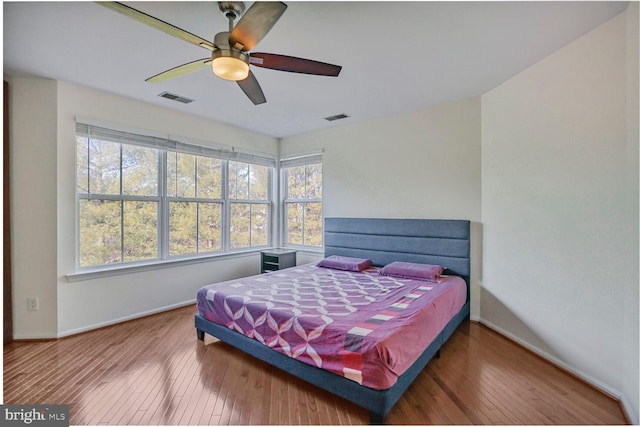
x,y
37,337
605,388
626,407
122,319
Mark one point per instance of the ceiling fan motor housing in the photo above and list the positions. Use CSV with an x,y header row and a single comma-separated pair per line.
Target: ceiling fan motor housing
x,y
230,53
234,8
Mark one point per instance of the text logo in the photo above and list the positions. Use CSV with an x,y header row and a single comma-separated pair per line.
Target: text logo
x,y
35,415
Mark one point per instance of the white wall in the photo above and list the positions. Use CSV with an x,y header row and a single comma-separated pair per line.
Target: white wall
x,y
43,211
32,115
423,164
560,217
631,356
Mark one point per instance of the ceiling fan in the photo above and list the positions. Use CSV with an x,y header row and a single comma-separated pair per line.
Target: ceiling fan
x,y
230,50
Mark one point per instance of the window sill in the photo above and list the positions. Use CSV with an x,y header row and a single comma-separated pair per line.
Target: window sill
x,y
89,273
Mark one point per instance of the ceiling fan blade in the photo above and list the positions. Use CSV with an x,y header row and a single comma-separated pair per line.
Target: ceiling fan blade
x,y
180,70
252,89
255,24
293,64
159,24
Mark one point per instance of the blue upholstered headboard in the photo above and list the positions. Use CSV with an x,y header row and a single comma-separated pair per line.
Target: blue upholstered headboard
x,y
384,240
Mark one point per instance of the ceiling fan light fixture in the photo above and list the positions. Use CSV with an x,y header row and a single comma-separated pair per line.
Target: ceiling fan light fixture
x,y
230,65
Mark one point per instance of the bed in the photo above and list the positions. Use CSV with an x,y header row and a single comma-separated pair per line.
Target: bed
x,y
300,351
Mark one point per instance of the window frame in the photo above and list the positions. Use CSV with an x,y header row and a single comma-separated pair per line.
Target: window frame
x,y
268,202
165,146
284,165
121,198
166,206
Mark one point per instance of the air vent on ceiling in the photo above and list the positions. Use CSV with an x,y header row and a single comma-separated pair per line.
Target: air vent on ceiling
x,y
336,117
174,97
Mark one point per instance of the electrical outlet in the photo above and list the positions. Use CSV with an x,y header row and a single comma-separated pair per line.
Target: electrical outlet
x,y
33,304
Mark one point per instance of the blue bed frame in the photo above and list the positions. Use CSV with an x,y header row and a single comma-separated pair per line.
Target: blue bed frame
x,y
382,240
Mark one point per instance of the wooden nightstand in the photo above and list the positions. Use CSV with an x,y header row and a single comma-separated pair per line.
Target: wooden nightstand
x,y
277,259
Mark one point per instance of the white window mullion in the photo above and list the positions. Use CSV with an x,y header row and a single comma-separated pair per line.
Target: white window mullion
x,y
88,167
250,224
121,230
282,205
197,248
195,195
226,208
163,208
121,211
273,209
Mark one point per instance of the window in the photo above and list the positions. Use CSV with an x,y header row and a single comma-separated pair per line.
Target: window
x,y
194,195
119,202
248,195
142,198
302,190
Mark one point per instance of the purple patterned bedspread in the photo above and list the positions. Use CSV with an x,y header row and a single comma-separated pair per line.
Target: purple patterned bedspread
x,y
364,326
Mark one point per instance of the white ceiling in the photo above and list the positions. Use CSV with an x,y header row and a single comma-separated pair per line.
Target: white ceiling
x,y
396,56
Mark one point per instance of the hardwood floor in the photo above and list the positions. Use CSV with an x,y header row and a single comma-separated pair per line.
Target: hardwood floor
x,y
153,371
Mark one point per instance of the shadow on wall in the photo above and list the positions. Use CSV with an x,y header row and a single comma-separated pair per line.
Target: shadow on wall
x,y
476,269
516,327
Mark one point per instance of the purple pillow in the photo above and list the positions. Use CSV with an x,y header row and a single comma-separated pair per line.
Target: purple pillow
x,y
338,262
410,270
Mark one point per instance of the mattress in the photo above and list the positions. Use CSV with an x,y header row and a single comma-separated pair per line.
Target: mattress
x,y
364,326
